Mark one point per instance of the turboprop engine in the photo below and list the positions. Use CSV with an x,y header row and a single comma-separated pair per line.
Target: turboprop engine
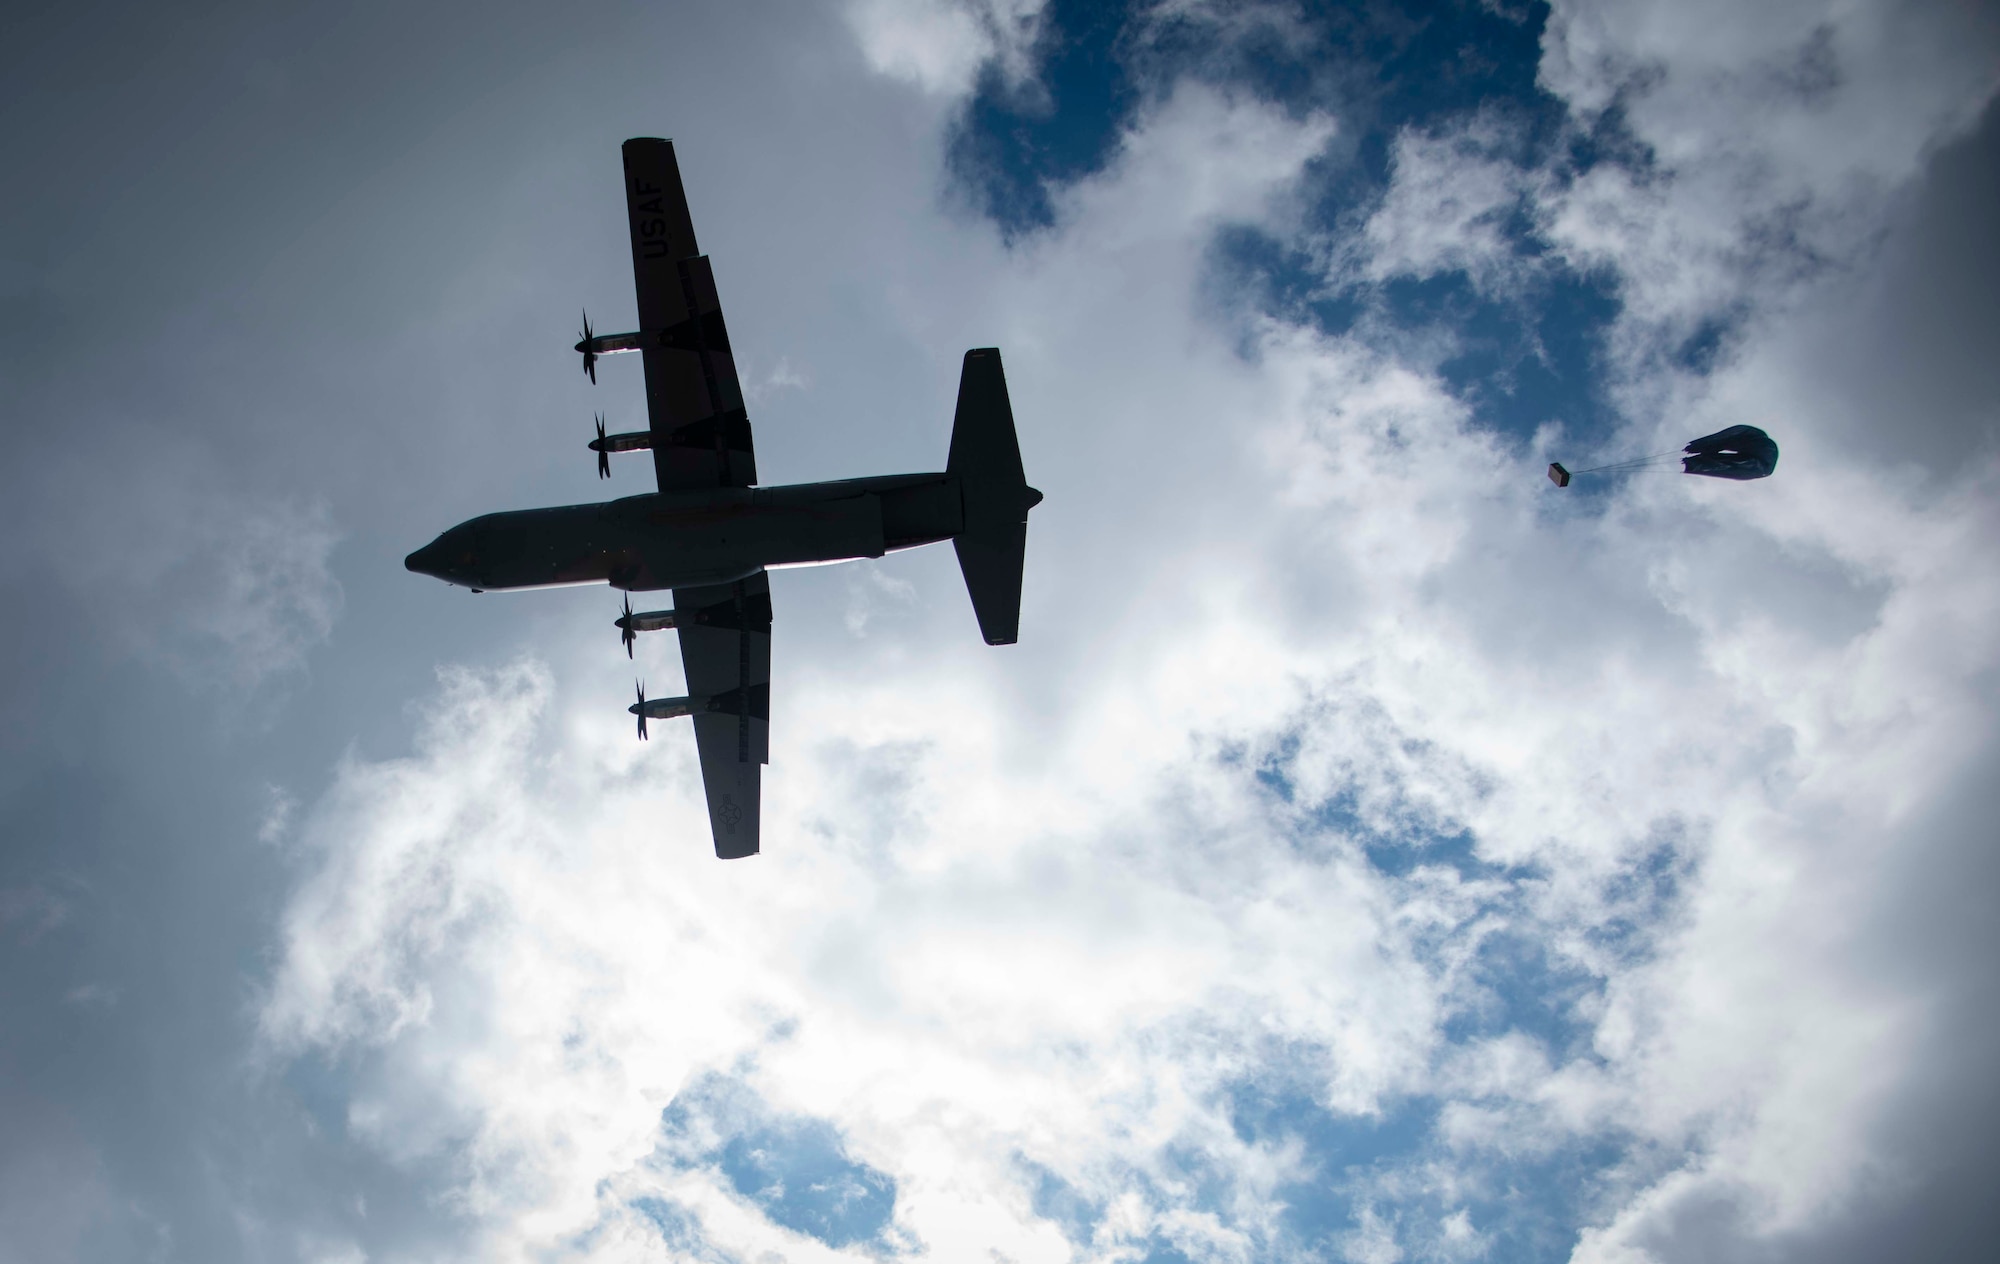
x,y
658,709
604,445
630,625
594,345
755,614
703,330
753,701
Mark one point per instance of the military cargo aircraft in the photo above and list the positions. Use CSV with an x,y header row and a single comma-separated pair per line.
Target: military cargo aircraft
x,y
710,533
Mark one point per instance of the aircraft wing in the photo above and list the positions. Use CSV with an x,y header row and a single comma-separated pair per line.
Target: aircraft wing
x,y
701,435
725,634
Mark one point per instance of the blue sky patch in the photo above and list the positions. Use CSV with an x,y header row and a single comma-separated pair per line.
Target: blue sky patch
x,y
1520,986
1013,143
1519,1203
798,1170
1517,360
1061,1203
1523,1205
794,1168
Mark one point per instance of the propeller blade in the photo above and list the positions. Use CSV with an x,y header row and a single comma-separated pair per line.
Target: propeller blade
x,y
625,626
589,356
603,457
642,710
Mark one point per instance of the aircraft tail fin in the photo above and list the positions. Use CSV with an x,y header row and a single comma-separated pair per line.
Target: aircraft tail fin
x,y
986,459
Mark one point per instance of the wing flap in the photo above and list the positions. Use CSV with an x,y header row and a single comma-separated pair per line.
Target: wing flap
x,y
725,635
701,433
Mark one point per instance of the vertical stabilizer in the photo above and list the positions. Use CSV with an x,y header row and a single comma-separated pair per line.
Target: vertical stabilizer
x,y
986,460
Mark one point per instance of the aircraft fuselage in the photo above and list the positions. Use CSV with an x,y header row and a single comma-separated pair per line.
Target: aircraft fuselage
x,y
686,539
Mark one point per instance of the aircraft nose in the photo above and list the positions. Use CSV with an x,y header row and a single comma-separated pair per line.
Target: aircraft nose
x,y
453,557
434,559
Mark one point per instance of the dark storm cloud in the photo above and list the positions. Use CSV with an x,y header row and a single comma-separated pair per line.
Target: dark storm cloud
x,y
1929,1198
1913,375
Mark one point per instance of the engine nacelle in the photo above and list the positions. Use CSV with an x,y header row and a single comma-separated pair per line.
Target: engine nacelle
x,y
612,344
631,441
604,445
751,702
646,621
754,701
668,708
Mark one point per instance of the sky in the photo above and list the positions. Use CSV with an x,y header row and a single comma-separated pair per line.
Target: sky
x,y
1369,853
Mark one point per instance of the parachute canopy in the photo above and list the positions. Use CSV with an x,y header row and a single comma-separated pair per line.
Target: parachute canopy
x,y
1740,452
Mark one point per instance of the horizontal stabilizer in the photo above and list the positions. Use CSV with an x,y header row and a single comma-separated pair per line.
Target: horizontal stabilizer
x,y
986,460
992,561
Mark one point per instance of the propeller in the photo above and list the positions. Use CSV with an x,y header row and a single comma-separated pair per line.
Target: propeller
x,y
603,455
625,631
641,709
589,356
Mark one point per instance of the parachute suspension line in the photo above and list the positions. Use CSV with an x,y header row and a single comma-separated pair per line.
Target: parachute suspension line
x,y
1657,459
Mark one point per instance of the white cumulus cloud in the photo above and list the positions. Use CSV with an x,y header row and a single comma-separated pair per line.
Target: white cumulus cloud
x,y
1295,627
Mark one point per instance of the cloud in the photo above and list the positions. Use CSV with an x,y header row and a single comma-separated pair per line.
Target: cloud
x,y
428,868
1341,752
796,1170
1370,850
760,386
53,1193
1726,214
31,911
1447,207
228,592
942,46
256,596
1894,361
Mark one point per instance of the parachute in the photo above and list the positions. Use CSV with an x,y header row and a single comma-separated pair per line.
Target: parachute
x,y
1740,452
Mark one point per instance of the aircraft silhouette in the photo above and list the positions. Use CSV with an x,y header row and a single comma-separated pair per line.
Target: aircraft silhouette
x,y
710,533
